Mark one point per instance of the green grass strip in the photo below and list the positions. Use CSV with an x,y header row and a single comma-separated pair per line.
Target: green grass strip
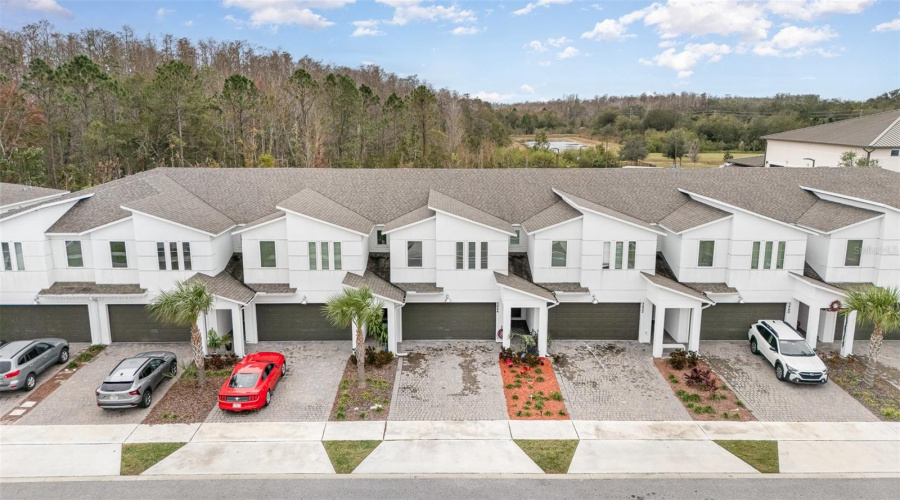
x,y
761,455
552,455
347,455
138,457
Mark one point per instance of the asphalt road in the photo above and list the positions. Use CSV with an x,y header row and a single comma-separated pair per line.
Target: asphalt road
x,y
463,488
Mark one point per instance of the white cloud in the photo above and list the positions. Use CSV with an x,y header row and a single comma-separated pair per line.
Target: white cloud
x,y
494,96
608,29
693,53
568,53
366,28
188,23
406,11
536,46
545,63
462,30
528,89
49,7
704,17
558,42
367,63
275,13
811,9
539,3
888,26
793,41
162,13
665,44
237,23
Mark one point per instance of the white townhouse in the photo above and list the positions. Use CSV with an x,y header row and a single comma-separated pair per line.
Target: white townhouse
x,y
668,257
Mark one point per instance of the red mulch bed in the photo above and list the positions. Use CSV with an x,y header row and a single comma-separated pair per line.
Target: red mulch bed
x,y
532,393
354,404
700,403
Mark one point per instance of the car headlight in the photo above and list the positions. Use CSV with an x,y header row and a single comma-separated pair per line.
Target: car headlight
x,y
824,370
791,369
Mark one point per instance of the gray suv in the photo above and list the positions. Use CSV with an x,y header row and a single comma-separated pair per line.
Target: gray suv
x,y
133,380
21,361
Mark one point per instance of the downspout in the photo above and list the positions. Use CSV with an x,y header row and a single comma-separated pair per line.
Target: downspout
x,y
868,150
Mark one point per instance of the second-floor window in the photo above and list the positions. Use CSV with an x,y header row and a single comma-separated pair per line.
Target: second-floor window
x,y
161,255
606,251
7,257
381,238
337,256
325,257
707,250
471,255
621,262
73,254
186,255
312,256
173,252
854,253
414,254
767,259
118,255
460,256
484,255
514,240
779,259
267,254
558,253
754,256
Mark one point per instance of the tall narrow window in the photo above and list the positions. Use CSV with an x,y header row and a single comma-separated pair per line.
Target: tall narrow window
x,y
381,238
779,260
606,251
173,254
471,255
337,256
707,250
767,262
73,254
460,258
484,255
20,257
619,250
325,256
854,253
514,240
7,257
414,254
161,255
186,255
267,254
312,256
754,256
632,253
558,250
117,254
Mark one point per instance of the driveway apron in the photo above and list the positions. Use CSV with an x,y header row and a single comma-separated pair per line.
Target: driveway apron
x,y
12,399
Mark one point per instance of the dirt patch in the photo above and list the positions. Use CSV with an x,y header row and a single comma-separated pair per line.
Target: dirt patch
x,y
882,399
186,402
372,403
532,393
703,404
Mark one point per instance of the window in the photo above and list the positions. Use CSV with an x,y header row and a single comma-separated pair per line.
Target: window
x,y
779,260
161,255
707,249
7,257
471,255
325,256
337,256
514,240
186,255
459,254
20,257
854,252
73,254
267,254
895,152
632,251
414,254
117,254
619,250
767,263
484,255
381,238
173,252
312,256
605,255
558,254
754,256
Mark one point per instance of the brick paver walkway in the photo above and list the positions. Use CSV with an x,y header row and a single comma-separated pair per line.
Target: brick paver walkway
x,y
753,379
12,399
450,380
613,380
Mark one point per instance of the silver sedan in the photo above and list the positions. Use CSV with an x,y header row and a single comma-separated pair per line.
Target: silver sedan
x,y
133,380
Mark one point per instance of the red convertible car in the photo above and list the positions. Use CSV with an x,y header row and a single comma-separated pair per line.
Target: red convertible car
x,y
252,382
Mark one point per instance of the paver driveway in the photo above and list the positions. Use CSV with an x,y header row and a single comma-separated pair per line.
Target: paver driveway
x,y
9,400
75,403
450,380
753,379
306,393
613,380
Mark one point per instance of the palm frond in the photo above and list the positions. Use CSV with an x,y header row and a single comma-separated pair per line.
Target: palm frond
x,y
349,305
877,305
181,305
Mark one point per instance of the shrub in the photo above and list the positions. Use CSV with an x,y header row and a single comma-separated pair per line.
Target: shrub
x,y
562,413
383,358
692,359
507,354
531,359
370,355
678,359
556,396
539,379
890,413
705,379
514,396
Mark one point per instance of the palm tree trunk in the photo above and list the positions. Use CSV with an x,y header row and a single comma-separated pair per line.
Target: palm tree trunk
x,y
360,358
874,349
197,353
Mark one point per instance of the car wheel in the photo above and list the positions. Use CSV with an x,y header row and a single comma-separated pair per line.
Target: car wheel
x,y
779,372
63,356
30,382
146,398
173,370
268,397
754,348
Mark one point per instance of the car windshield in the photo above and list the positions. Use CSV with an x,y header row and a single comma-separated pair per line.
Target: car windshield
x,y
243,380
5,366
796,348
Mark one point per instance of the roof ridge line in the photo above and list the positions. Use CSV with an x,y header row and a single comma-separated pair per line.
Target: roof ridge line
x,y
201,200
331,200
885,131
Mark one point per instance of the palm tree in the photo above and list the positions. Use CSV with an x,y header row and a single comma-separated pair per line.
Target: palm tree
x,y
183,306
881,307
354,307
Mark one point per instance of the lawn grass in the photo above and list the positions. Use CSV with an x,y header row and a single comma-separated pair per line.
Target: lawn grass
x,y
761,455
551,455
347,455
138,457
710,159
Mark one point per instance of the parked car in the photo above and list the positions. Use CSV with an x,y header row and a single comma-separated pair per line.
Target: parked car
x,y
794,360
252,382
21,361
133,380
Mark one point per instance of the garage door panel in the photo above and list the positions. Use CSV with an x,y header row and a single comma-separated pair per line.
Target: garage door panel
x,y
732,321
606,321
449,321
69,322
133,323
296,322
863,331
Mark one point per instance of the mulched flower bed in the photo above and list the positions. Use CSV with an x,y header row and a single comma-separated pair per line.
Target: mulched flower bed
x,y
187,403
700,402
532,393
882,399
372,403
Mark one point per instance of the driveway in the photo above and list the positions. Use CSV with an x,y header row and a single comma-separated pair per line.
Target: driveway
x,y
75,403
613,380
9,400
753,379
449,380
307,392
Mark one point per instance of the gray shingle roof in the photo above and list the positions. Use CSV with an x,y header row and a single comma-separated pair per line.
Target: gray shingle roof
x,y
564,287
174,203
555,214
596,207
521,284
879,130
748,161
675,286
264,219
313,204
827,216
711,287
226,286
378,286
819,283
443,203
277,288
419,287
91,288
690,215
418,215
13,194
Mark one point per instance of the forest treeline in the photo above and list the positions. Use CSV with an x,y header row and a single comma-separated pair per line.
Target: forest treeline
x,y
78,109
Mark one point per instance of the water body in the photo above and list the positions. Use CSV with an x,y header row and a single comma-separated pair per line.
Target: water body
x,y
562,145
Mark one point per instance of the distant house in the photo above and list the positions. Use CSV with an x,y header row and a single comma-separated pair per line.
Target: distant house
x,y
875,136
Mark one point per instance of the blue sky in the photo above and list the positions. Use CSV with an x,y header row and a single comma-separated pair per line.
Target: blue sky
x,y
520,50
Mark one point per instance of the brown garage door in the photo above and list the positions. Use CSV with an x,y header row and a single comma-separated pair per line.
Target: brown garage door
x,y
132,323
296,322
449,321
732,321
607,321
28,322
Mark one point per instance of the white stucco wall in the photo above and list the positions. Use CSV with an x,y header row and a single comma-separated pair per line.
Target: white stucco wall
x,y
253,270
400,272
793,154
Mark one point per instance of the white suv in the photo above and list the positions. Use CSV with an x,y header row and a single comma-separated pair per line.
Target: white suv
x,y
793,359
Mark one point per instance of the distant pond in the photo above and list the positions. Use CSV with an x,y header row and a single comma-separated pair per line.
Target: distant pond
x,y
562,145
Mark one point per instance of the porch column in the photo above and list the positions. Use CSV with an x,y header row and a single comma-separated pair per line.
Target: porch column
x,y
207,320
237,331
827,335
812,326
792,313
646,320
251,334
849,333
507,326
659,331
103,323
392,328
94,321
694,336
543,333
